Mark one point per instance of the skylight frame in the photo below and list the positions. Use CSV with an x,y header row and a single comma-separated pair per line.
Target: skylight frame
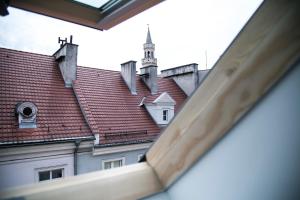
x,y
93,3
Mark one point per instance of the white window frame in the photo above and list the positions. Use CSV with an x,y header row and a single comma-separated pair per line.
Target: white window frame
x,y
37,178
167,115
112,160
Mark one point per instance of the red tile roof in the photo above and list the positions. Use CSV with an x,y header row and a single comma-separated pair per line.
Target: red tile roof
x,y
106,106
169,86
115,111
36,78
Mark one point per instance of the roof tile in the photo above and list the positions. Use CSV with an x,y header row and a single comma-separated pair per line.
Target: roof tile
x,y
36,78
108,103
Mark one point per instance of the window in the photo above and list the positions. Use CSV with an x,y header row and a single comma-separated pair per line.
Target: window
x,y
165,115
50,174
27,114
108,164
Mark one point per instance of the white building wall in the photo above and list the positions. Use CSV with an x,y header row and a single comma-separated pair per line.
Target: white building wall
x,y
258,159
187,82
87,162
24,171
159,196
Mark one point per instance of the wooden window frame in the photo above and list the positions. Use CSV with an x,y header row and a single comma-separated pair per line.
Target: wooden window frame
x,y
264,50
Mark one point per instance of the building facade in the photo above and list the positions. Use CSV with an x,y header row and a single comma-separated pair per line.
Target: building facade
x,y
59,119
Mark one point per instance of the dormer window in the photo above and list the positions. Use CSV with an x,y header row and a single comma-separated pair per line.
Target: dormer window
x,y
161,109
26,113
165,115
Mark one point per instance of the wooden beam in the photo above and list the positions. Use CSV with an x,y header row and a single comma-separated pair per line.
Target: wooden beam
x,y
63,10
75,12
262,52
129,10
128,182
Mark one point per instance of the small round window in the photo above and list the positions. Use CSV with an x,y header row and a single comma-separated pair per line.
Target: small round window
x,y
27,109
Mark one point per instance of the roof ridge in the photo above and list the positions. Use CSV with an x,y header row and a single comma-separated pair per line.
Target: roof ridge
x,y
27,52
86,111
98,68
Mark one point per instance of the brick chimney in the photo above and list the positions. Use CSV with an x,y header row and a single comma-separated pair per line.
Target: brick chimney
x,y
186,77
128,71
66,57
149,76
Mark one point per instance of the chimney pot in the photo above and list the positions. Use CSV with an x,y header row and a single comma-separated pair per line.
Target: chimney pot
x,y
66,57
149,76
128,72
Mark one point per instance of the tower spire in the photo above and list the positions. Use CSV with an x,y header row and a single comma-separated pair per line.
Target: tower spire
x,y
148,40
149,48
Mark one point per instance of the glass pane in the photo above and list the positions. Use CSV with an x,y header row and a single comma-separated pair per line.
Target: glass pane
x,y
93,3
45,175
117,163
107,165
165,115
57,173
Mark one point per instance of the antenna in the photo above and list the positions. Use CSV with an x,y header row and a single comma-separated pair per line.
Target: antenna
x,y
205,59
71,39
62,42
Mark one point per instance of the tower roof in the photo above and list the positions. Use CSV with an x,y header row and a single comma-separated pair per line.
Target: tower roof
x,y
148,40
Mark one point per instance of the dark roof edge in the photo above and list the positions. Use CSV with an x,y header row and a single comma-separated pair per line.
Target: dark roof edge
x,y
55,141
123,143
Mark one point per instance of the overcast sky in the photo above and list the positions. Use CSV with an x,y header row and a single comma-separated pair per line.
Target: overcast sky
x,y
181,30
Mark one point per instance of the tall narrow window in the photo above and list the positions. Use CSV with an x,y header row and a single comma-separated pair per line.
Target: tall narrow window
x,y
165,115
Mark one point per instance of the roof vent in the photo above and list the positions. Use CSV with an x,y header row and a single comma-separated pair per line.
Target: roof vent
x,y
27,112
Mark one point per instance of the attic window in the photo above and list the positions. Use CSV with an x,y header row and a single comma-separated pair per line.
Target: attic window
x,y
165,115
26,113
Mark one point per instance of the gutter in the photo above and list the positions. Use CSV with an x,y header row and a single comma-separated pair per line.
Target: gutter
x,y
43,142
77,143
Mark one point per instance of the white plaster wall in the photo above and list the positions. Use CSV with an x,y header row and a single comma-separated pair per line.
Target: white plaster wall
x,y
159,196
156,112
259,158
21,172
201,75
187,82
89,163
